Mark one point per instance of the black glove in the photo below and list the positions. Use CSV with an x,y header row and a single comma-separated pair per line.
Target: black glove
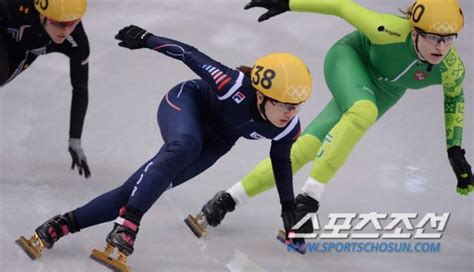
x,y
304,205
289,220
275,7
78,157
132,37
462,169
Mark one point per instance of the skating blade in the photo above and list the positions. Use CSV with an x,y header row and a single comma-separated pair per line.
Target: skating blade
x,y
30,250
193,223
105,259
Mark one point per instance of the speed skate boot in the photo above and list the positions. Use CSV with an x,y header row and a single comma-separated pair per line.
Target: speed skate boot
x,y
122,237
211,214
47,234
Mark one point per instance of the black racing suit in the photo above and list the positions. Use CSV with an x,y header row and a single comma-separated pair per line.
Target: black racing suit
x,y
23,39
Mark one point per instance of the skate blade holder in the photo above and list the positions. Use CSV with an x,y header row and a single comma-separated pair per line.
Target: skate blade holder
x,y
301,249
32,247
197,224
105,258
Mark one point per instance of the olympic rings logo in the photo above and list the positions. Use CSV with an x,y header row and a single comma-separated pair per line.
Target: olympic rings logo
x,y
298,93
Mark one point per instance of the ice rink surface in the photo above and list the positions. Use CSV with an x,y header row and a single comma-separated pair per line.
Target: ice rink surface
x,y
399,166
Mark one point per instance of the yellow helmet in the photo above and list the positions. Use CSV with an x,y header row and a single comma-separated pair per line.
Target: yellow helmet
x,y
282,77
61,10
442,17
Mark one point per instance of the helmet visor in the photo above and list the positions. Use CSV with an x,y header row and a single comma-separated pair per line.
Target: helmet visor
x,y
285,107
59,24
435,39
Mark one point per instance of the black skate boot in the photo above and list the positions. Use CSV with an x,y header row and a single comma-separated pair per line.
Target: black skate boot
x,y
47,234
211,214
122,237
216,208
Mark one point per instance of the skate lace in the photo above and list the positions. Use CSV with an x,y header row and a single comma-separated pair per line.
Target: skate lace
x,y
55,230
52,233
127,238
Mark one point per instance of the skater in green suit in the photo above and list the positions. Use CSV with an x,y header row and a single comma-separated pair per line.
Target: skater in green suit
x,y
367,72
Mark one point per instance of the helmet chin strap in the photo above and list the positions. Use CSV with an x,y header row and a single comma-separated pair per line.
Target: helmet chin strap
x,y
261,108
430,66
43,23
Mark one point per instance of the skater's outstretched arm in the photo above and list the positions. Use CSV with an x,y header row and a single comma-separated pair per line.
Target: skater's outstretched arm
x,y
378,27
79,72
452,81
78,53
281,166
218,76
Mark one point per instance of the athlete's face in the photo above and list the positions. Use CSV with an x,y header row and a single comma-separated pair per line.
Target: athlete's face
x,y
279,114
59,31
433,48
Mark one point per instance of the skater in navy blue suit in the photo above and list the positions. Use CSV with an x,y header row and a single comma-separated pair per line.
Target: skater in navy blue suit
x,y
200,120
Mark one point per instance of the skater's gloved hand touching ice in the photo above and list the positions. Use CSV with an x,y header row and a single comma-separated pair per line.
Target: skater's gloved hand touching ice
x,y
288,216
462,169
132,37
304,205
274,7
78,157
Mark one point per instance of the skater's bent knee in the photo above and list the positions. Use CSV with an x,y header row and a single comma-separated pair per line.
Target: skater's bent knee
x,y
305,149
185,145
363,114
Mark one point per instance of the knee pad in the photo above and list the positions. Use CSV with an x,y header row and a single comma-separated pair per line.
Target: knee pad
x,y
342,138
303,151
362,115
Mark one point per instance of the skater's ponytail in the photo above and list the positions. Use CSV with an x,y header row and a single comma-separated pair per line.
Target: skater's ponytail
x,y
245,69
407,11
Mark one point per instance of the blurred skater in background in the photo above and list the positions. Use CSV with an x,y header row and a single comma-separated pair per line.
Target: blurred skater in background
x,y
31,28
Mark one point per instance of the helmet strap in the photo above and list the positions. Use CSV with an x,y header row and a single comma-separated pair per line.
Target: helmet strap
x,y
258,113
416,46
430,66
261,108
43,23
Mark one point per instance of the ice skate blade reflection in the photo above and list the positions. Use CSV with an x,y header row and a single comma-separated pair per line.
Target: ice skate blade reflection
x,y
294,247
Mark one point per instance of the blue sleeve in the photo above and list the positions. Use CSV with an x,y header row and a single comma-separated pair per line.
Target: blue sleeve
x,y
281,164
220,77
